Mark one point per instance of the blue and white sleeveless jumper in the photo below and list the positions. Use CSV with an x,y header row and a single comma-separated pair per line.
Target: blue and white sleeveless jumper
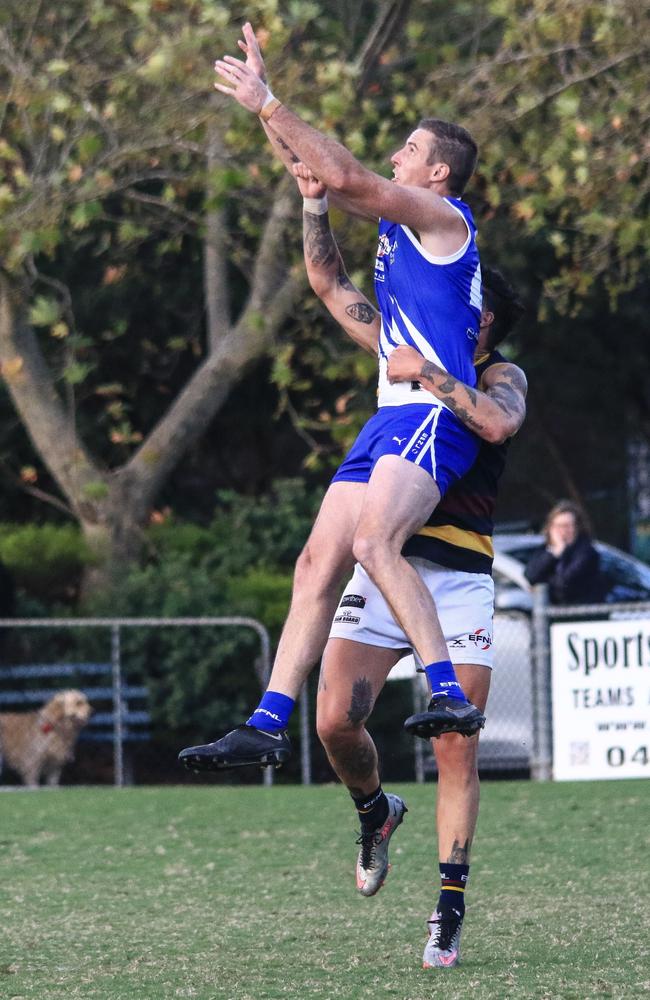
x,y
434,305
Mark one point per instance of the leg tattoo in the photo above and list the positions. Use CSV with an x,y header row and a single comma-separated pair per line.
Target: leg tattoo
x,y
361,701
459,855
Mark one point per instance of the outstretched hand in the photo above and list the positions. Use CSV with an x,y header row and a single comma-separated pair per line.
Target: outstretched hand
x,y
245,86
251,47
404,364
308,185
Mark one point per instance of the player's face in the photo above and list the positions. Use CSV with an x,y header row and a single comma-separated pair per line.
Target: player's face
x,y
410,167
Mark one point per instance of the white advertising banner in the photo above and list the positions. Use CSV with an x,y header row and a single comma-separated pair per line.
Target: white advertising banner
x,y
601,699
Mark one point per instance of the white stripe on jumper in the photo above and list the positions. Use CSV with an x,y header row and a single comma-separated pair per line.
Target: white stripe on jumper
x,y
429,416
423,345
386,346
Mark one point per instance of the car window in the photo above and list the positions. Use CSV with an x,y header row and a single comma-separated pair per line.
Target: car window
x,y
624,579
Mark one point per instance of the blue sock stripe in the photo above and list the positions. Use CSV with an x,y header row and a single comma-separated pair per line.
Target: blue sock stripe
x,y
442,679
273,712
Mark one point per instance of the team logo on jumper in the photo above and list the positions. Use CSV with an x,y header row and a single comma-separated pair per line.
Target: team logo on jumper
x,y
352,601
345,618
386,249
481,638
383,248
472,334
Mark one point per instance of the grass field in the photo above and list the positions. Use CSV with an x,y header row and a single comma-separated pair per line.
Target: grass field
x,y
248,893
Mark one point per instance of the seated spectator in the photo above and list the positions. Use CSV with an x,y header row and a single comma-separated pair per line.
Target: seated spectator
x,y
568,563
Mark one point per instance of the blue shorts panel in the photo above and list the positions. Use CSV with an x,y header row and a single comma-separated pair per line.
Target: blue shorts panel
x,y
429,436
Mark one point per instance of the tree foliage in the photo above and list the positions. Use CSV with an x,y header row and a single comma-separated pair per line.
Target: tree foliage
x,y
151,245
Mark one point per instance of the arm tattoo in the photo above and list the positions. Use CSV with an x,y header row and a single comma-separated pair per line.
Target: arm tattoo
x,y
509,392
428,370
361,311
459,854
357,764
450,383
506,398
319,240
465,416
282,144
343,279
361,701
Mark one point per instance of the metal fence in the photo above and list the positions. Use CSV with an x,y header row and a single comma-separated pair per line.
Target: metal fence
x,y
120,715
517,736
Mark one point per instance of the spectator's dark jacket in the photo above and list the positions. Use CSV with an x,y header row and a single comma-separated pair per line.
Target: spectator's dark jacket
x,y
574,578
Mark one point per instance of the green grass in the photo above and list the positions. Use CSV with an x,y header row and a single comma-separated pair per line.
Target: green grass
x,y
248,893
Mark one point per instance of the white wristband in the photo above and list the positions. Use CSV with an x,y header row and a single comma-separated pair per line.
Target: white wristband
x,y
315,206
269,97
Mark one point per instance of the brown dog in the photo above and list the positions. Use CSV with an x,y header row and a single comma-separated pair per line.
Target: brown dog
x,y
37,744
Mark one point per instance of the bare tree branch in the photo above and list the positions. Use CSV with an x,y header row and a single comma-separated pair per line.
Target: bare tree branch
x,y
205,393
215,265
269,262
33,393
38,494
389,21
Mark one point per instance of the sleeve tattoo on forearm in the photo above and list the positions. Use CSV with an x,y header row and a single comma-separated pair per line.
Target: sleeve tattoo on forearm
x,y
342,277
450,383
319,240
448,386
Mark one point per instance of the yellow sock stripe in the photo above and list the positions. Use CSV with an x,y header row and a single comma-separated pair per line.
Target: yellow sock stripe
x,y
452,888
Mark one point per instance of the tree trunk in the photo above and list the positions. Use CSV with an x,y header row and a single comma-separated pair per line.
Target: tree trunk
x,y
113,530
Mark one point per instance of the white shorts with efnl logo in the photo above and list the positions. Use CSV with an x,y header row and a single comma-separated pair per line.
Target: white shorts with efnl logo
x,y
465,604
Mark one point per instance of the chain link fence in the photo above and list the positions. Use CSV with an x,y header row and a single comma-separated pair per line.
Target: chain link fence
x,y
131,705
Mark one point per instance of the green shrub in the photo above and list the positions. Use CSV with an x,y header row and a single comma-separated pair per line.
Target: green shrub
x,y
45,560
202,679
245,531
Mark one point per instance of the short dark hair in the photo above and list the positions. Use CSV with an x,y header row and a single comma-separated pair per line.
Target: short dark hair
x,y
502,299
454,146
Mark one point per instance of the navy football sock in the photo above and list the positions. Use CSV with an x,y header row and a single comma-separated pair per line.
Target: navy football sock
x,y
442,679
453,879
372,809
273,712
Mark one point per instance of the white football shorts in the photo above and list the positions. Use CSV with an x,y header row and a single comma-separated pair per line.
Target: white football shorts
x,y
465,604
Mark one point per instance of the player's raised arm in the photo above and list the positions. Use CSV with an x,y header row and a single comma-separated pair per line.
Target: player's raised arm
x,y
255,61
422,176
326,270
